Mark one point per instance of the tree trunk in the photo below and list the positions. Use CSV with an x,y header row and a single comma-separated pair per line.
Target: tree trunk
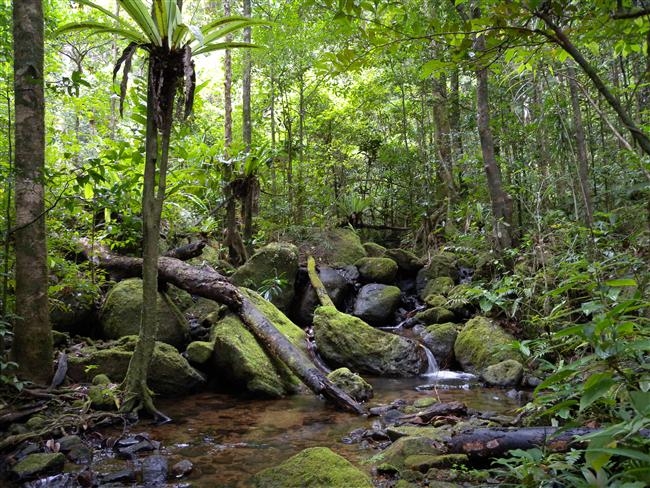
x,y
210,284
32,345
581,149
560,38
501,201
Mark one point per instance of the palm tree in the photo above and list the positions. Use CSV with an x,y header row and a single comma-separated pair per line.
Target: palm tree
x,y
169,46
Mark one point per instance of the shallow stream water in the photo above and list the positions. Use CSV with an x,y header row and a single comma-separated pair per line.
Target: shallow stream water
x,y
228,439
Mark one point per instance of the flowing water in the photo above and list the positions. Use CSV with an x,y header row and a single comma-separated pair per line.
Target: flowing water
x,y
228,439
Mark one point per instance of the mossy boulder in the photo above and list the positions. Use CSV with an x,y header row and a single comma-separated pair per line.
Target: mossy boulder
x,y
441,264
440,340
374,250
376,304
441,285
198,353
399,451
435,301
275,261
120,315
351,383
507,373
435,315
337,247
377,270
38,464
482,343
344,340
316,467
169,374
239,359
406,260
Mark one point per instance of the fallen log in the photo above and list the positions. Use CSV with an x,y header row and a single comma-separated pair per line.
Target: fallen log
x,y
495,442
208,283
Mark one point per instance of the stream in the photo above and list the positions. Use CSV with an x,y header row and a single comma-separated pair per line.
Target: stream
x,y
228,439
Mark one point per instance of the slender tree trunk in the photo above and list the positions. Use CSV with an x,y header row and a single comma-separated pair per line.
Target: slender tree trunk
x,y
249,204
501,201
8,202
581,149
32,345
443,137
560,38
233,240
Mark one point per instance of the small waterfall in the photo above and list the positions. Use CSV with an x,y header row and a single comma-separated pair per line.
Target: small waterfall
x,y
432,369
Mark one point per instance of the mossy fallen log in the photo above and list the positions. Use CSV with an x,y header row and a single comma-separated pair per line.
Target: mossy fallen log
x,y
208,283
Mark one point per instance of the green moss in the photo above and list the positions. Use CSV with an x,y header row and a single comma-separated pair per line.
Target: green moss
x,y
278,260
424,402
481,343
441,264
120,314
352,384
441,285
337,247
404,447
377,270
506,373
406,260
344,340
39,463
241,361
317,467
374,250
170,374
199,352
435,315
434,300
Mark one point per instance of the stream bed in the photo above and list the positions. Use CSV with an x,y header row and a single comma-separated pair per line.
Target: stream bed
x,y
228,439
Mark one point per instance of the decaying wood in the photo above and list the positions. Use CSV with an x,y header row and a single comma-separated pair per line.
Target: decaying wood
x,y
436,410
317,284
207,283
496,442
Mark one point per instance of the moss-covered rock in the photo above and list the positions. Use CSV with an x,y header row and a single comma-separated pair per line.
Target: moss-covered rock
x,y
202,308
344,340
242,362
199,352
435,301
337,284
120,315
482,343
506,373
374,250
441,264
351,383
170,374
440,340
405,447
316,467
406,260
103,396
278,260
337,247
377,270
37,464
424,462
376,304
435,315
440,285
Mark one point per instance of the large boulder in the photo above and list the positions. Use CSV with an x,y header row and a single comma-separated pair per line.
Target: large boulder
x,y
337,247
440,264
120,315
240,361
376,304
374,250
316,467
169,374
482,343
352,384
507,373
440,340
344,340
272,265
377,270
406,260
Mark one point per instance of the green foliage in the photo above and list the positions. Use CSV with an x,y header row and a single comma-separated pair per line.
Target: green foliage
x,y
272,287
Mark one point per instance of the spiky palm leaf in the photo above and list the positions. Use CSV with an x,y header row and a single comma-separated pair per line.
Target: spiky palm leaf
x,y
160,31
